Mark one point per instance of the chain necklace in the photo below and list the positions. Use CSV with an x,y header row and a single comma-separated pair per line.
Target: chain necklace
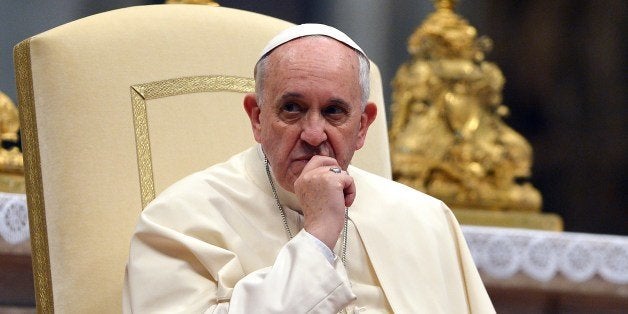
x,y
282,212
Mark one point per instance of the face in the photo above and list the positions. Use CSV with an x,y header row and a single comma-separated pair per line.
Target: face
x,y
310,106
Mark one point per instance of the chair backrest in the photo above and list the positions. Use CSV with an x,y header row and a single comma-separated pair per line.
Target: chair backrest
x,y
117,106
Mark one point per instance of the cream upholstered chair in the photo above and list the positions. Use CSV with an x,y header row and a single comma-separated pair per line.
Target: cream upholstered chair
x,y
117,106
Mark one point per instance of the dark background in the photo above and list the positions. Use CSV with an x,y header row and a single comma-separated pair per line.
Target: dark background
x,y
564,63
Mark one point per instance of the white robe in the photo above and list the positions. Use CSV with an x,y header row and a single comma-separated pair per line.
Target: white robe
x,y
214,243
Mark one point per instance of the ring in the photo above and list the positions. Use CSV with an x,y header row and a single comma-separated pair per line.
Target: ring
x,y
335,170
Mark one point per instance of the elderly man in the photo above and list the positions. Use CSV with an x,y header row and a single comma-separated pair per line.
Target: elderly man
x,y
288,226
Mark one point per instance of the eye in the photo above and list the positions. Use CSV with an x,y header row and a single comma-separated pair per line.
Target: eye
x,y
290,107
333,110
290,111
336,113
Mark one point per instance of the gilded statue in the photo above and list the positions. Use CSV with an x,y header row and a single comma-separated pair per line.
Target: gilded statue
x,y
11,162
448,137
10,158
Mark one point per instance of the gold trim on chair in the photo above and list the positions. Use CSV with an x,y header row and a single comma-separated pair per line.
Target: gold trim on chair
x,y
140,93
33,178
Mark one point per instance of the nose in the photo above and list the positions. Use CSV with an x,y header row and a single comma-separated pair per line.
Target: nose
x,y
313,130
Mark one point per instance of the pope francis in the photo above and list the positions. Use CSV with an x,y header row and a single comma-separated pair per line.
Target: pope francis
x,y
289,226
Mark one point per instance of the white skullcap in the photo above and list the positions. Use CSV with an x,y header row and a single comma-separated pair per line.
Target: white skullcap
x,y
303,30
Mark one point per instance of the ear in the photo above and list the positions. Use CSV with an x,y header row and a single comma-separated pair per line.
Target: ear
x,y
368,116
253,111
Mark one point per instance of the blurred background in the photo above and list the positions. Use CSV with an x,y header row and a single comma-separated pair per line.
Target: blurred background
x,y
564,62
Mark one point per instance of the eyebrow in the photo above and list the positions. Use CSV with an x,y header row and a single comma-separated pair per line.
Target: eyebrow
x,y
339,102
335,101
291,95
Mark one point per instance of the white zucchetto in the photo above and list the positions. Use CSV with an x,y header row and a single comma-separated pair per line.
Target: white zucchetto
x,y
303,30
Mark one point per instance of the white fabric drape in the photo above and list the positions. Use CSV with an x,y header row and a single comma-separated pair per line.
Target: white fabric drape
x,y
543,255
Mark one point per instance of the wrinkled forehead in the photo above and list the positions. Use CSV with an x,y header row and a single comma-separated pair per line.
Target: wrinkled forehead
x,y
313,63
314,48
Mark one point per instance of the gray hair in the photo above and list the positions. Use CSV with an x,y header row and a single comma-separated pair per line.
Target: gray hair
x,y
364,71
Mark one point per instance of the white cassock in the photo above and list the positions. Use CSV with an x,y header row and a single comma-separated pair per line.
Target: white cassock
x,y
215,243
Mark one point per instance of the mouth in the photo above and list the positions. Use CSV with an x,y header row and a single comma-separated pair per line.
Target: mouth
x,y
305,154
301,161
305,158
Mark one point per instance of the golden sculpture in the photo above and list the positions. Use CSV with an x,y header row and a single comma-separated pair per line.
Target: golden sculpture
x,y
448,137
11,162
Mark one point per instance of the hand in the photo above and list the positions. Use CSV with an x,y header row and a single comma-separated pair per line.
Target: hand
x,y
324,195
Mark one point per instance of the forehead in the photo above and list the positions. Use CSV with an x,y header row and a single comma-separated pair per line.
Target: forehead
x,y
315,40
316,50
317,62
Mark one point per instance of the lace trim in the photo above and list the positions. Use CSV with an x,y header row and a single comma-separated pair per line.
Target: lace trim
x,y
13,218
542,255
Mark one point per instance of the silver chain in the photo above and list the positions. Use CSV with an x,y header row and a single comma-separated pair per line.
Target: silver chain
x,y
282,212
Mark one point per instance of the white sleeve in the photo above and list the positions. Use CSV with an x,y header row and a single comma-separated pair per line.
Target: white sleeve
x,y
163,275
301,281
322,247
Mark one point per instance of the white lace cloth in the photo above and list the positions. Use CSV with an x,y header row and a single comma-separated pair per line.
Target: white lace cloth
x,y
503,252
499,252
13,218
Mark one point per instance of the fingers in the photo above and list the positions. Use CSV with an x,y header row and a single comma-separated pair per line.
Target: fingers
x,y
349,193
324,191
328,166
320,161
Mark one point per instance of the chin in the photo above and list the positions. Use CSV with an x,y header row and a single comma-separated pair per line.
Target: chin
x,y
289,184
